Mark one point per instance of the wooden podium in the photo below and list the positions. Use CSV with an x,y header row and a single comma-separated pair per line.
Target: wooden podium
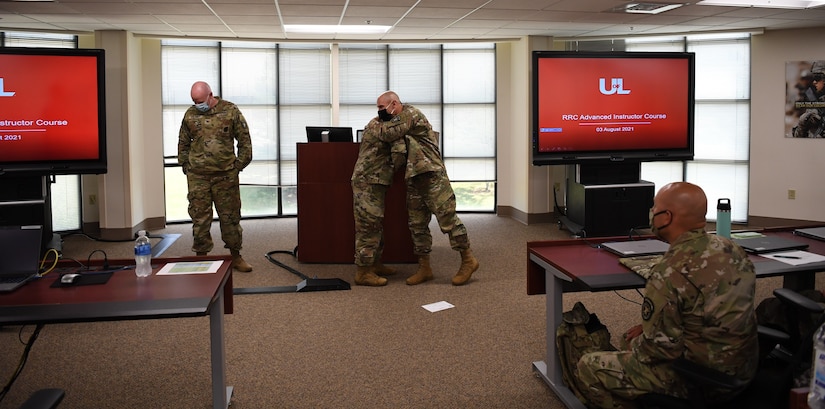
x,y
326,227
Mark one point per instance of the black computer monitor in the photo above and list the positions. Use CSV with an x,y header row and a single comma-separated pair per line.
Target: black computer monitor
x,y
359,135
329,134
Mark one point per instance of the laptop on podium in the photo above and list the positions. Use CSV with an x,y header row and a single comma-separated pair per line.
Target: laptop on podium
x,y
19,255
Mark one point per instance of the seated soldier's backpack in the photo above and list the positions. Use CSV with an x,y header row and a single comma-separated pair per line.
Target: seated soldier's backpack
x,y
579,333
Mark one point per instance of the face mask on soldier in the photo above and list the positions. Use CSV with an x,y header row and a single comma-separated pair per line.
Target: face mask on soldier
x,y
203,106
384,115
653,228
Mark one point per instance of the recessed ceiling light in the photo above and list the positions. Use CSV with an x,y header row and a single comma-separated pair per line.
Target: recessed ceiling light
x,y
646,8
335,29
778,4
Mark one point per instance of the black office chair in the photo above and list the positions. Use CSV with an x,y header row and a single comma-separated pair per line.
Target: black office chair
x,y
44,399
791,353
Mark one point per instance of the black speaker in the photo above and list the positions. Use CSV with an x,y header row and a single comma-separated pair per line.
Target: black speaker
x,y
607,173
609,210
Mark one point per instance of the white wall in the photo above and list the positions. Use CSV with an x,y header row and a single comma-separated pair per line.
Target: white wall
x,y
778,164
130,194
524,191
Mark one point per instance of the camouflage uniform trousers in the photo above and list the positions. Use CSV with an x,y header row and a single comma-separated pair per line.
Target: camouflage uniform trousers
x,y
431,194
368,210
613,379
224,191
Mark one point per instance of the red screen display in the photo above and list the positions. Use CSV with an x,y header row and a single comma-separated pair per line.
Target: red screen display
x,y
612,104
48,108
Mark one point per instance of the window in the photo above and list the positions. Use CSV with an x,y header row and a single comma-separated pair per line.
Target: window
x,y
722,121
281,88
469,122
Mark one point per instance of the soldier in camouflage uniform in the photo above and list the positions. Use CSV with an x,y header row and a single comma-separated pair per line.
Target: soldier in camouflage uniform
x,y
428,188
698,304
812,122
377,163
206,151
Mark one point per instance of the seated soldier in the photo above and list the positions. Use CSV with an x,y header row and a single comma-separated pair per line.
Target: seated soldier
x,y
698,304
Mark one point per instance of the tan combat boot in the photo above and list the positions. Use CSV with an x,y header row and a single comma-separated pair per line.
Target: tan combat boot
x,y
364,275
380,269
424,273
238,263
469,265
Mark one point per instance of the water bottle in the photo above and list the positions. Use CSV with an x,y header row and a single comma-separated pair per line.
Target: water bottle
x,y
723,218
143,255
816,394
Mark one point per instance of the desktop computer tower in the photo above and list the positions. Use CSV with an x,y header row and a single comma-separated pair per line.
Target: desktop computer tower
x,y
609,209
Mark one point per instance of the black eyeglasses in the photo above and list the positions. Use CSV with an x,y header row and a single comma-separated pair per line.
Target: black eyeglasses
x,y
818,76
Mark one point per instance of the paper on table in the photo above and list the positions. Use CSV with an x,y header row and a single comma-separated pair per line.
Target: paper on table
x,y
795,258
438,306
191,267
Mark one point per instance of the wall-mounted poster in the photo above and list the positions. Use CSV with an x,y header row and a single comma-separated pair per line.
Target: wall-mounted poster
x,y
805,99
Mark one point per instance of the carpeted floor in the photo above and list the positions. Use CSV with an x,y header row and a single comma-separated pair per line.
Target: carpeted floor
x,y
360,348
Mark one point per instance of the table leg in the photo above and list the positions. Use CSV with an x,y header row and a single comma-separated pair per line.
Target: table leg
x,y
550,370
221,394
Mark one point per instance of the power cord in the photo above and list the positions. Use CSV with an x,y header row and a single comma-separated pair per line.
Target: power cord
x,y
22,363
293,253
628,299
43,270
105,259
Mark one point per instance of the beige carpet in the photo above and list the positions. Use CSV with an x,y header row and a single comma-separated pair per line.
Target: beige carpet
x,y
361,348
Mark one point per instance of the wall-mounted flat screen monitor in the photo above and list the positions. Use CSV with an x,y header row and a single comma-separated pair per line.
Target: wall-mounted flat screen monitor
x,y
52,111
329,134
593,107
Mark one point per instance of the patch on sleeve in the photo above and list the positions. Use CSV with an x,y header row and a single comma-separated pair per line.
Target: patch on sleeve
x,y
647,309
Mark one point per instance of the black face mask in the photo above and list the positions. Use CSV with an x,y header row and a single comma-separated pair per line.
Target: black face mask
x,y
384,115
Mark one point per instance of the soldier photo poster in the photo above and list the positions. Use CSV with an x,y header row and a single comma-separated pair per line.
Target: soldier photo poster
x,y
805,99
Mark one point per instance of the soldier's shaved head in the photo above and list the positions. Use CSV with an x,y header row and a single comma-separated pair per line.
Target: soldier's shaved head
x,y
680,207
200,92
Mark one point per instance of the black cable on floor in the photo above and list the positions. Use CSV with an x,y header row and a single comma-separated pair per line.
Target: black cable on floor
x,y
23,359
308,284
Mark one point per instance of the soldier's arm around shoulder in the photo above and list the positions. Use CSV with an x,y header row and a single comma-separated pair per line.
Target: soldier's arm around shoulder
x,y
397,127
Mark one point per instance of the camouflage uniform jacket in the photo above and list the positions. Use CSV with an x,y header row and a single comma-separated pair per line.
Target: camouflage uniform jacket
x,y
375,163
699,303
423,153
206,141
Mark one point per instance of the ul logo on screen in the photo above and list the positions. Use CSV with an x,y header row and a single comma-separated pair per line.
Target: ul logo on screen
x,y
616,87
3,92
